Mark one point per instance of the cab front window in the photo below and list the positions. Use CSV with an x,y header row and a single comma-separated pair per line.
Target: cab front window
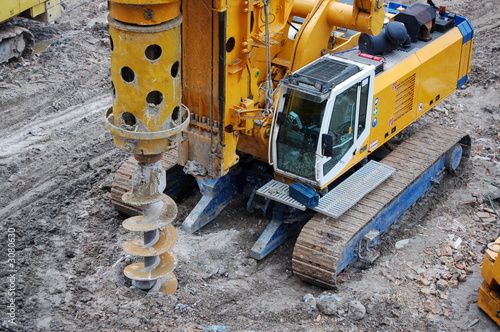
x,y
299,133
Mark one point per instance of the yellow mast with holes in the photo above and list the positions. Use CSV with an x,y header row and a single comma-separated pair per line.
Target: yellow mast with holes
x,y
146,117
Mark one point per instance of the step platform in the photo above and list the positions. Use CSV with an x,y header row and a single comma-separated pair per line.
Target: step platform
x,y
342,197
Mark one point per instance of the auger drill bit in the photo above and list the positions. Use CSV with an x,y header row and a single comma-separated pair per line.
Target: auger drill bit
x,y
146,119
159,210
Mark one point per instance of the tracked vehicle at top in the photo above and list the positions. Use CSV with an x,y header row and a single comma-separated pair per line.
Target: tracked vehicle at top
x,y
16,41
288,102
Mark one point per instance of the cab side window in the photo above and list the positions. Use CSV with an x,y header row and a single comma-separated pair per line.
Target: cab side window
x,y
341,126
363,105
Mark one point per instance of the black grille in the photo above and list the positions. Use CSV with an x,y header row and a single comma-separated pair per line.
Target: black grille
x,y
327,72
324,70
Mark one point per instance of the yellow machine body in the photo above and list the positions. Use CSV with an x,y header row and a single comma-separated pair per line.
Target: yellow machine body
x,y
43,10
489,292
414,86
224,73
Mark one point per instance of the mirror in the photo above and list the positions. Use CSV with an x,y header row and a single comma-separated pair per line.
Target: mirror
x,y
327,145
281,118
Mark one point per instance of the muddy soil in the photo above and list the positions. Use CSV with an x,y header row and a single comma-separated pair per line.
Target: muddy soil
x,y
56,168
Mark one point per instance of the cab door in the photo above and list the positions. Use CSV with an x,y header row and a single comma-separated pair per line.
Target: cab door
x,y
346,126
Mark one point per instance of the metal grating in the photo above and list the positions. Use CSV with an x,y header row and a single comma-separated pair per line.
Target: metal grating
x,y
397,56
327,70
278,191
342,197
353,189
324,70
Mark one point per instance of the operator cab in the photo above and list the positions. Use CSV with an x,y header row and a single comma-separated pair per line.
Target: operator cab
x,y
322,119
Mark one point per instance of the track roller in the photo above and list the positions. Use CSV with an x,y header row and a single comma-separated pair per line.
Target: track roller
x,y
15,42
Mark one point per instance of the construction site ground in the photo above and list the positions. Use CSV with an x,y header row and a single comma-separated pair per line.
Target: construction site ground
x,y
56,168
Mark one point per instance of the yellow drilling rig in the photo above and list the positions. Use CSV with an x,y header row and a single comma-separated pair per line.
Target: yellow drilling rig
x,y
289,102
16,41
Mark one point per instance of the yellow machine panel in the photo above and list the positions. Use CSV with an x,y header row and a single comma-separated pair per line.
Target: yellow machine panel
x,y
465,61
45,11
489,292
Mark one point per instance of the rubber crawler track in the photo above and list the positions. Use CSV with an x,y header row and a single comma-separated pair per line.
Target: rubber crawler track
x,y
322,240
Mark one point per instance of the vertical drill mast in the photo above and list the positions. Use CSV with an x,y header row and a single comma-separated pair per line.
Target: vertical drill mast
x,y
146,116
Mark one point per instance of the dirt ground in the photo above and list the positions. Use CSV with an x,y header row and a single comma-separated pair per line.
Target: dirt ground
x,y
56,168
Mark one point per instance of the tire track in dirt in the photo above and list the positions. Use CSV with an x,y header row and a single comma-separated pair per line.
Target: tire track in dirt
x,y
41,131
50,171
